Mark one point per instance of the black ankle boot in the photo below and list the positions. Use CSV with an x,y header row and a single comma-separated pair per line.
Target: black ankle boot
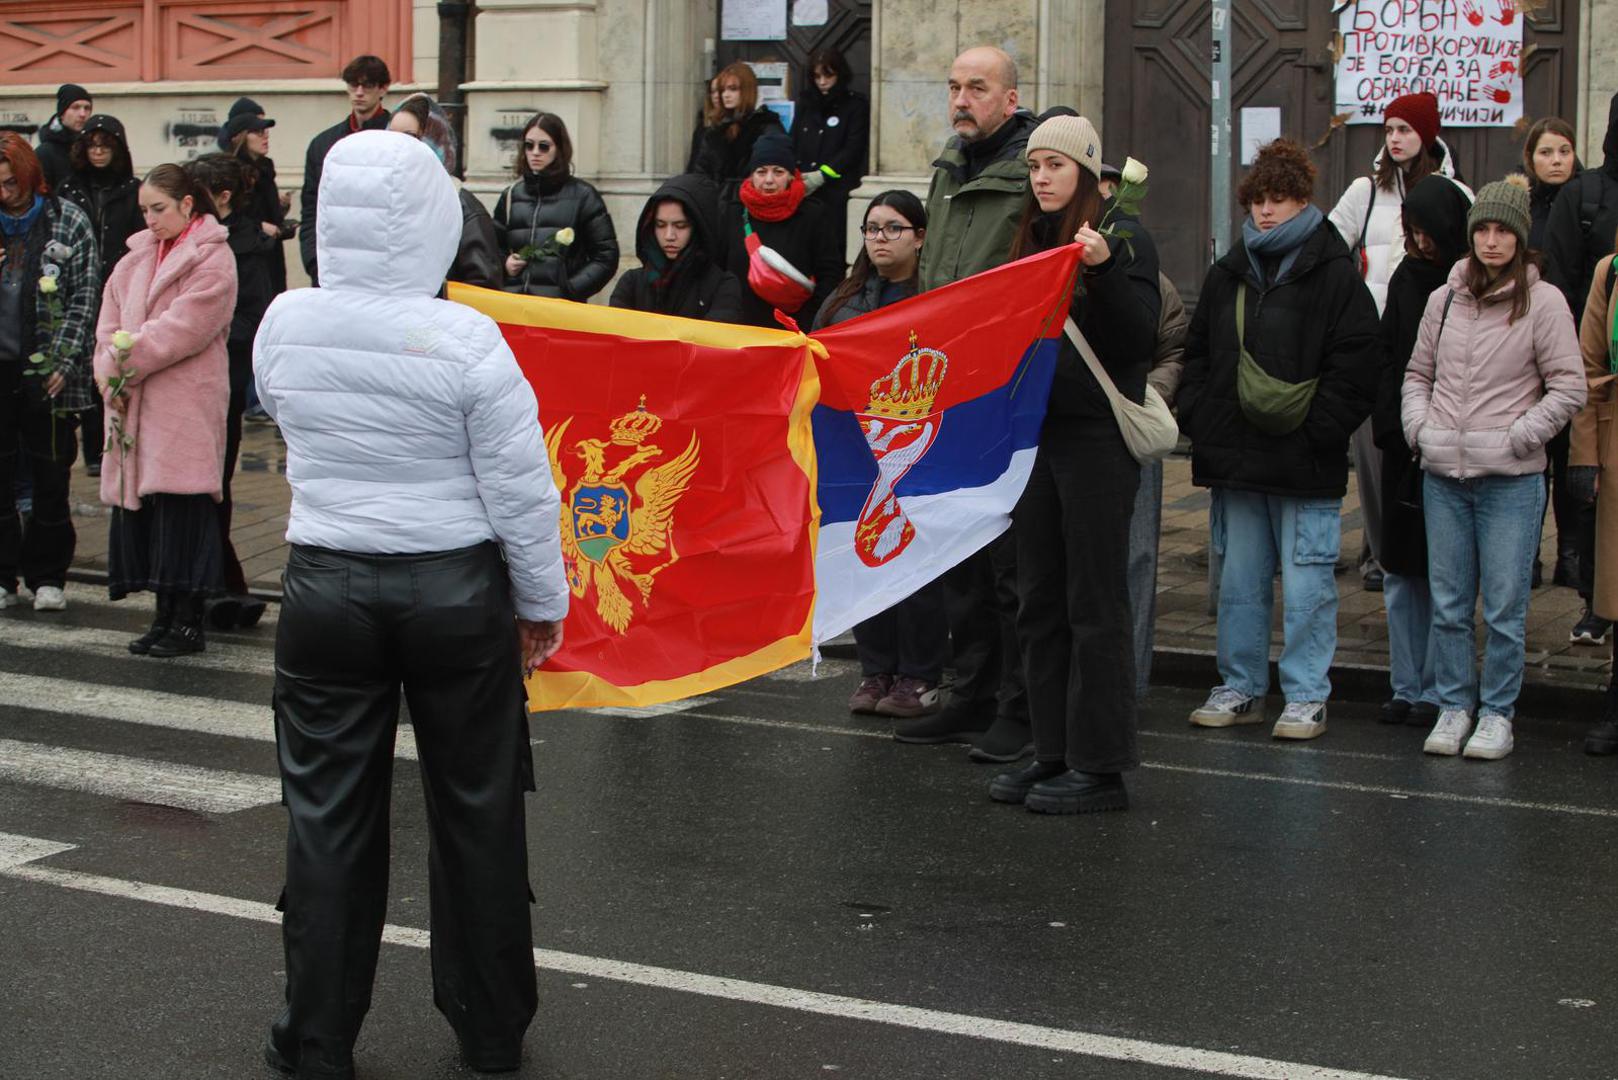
x,y
1013,787
161,622
1076,792
185,636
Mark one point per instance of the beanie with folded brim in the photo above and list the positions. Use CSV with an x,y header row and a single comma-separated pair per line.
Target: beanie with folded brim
x,y
1506,202
1071,136
773,148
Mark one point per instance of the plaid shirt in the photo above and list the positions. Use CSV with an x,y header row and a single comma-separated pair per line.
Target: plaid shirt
x,y
79,288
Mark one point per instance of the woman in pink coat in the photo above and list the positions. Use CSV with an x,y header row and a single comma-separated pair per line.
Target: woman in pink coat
x,y
167,387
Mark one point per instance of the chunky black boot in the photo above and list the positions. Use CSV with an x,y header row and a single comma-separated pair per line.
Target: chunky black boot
x,y
1013,787
160,625
185,635
1076,792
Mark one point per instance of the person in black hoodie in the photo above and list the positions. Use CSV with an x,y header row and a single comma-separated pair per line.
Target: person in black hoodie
x,y
103,183
1074,623
554,216
678,245
1435,237
776,242
726,144
831,134
1583,222
367,79
55,143
1281,366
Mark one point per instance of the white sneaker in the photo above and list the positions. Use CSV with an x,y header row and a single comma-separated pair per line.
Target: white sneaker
x,y
1301,720
49,598
1226,706
1449,733
1492,740
9,599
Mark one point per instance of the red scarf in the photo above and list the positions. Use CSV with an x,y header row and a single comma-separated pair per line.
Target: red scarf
x,y
777,207
166,246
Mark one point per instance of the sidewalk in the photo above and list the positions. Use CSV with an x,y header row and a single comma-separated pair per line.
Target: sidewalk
x,y
1185,630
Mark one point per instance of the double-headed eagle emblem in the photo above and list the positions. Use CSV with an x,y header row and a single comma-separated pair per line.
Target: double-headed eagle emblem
x,y
611,537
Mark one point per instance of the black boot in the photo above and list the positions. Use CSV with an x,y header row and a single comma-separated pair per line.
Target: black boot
x,y
1076,792
1567,565
185,635
1396,711
1007,739
160,625
252,612
1013,787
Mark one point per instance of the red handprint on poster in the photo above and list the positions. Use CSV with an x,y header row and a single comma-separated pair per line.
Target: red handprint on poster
x,y
1504,67
1473,12
1497,93
1508,13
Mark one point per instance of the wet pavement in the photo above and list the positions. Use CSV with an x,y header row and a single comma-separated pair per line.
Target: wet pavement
x,y
757,885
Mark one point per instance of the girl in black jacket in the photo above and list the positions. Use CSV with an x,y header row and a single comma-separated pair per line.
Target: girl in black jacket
x,y
1072,522
726,145
678,245
831,134
554,231
1281,366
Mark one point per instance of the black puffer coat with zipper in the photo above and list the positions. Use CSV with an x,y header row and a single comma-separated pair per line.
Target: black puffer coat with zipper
x,y
1319,321
112,203
532,211
697,286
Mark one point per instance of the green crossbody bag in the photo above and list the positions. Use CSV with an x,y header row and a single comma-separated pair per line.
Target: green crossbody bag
x,y
1274,406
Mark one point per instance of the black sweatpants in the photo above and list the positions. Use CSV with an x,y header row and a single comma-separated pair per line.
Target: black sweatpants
x,y
1073,618
41,551
980,597
354,630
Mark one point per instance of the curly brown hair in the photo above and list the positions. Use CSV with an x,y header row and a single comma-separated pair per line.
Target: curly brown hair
x,y
1281,171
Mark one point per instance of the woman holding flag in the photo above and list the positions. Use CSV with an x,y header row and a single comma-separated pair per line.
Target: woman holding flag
x,y
1072,523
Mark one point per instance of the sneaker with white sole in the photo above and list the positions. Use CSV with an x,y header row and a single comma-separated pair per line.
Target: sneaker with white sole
x,y
1301,720
1226,707
49,598
9,598
1492,740
1448,734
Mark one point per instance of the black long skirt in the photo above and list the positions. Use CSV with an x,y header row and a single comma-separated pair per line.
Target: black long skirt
x,y
171,544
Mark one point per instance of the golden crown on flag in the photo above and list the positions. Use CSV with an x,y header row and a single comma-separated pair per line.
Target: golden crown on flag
x,y
906,394
633,427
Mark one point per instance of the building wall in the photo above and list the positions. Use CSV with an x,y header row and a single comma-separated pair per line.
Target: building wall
x,y
1598,74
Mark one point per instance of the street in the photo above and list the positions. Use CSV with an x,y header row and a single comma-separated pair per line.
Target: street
x,y
757,885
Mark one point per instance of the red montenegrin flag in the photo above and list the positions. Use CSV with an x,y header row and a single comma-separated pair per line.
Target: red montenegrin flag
x,y
685,462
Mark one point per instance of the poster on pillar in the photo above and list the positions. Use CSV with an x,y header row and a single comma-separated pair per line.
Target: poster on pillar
x,y
1467,52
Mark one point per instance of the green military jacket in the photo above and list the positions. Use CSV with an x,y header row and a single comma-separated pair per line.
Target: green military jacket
x,y
971,223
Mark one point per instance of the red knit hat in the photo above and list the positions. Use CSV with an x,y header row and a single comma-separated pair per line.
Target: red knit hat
x,y
1420,111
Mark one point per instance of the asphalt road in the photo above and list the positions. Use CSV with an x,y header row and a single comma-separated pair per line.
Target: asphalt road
x,y
760,886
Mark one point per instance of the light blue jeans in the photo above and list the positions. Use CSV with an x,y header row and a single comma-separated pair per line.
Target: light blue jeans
x,y
1145,528
1409,603
1252,533
1482,535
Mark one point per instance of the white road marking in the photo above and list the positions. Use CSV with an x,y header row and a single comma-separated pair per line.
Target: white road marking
x,y
666,709
152,708
114,645
1266,744
15,855
83,594
166,783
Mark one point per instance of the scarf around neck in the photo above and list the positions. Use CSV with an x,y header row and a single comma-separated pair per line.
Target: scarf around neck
x,y
1283,242
19,224
778,207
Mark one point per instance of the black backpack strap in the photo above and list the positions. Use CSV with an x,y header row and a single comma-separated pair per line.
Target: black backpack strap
x,y
1365,226
1449,299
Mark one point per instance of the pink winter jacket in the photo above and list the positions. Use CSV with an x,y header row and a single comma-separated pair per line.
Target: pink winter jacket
x,y
179,313
1484,398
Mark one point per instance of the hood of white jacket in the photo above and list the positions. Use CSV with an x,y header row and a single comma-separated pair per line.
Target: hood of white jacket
x,y
389,220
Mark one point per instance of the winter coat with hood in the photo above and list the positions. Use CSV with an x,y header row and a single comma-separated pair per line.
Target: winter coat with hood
x,y
1316,322
724,160
110,196
1484,398
877,292
531,212
53,148
1583,225
833,130
802,239
314,161
1369,216
974,202
178,306
409,427
1594,440
694,286
255,252
1438,208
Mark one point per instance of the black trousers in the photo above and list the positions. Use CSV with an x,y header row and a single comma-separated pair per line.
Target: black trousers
x,y
40,551
354,629
980,598
241,373
1073,617
911,638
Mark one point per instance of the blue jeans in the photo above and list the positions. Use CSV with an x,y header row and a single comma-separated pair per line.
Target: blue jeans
x,y
1253,532
1409,603
1482,535
1144,530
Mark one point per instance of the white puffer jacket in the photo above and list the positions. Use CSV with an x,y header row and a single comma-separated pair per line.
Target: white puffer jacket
x,y
409,426
1379,214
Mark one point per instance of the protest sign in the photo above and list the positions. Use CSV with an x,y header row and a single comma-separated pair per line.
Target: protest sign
x,y
1468,52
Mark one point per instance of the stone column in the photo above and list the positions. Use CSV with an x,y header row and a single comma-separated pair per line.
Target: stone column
x,y
1598,74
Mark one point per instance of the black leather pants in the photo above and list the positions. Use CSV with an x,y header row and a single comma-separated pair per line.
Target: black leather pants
x,y
354,630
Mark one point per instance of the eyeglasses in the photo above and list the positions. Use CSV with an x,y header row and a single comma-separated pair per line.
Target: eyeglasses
x,y
890,231
537,147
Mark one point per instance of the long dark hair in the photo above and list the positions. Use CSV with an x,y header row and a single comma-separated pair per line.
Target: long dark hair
x,y
177,181
833,61
1480,281
78,155
552,125
1425,163
224,172
908,207
1084,206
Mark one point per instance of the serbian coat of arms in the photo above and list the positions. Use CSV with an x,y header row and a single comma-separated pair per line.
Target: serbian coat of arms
x,y
900,426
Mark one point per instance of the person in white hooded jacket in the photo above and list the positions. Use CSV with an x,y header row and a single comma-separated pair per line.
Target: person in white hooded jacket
x,y
425,555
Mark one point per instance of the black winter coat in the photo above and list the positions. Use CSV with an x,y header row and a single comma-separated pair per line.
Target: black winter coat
x,y
313,163
265,205
1584,222
1541,197
113,207
52,147
833,129
868,298
724,161
531,212
696,286
255,252
1318,321
803,240
478,260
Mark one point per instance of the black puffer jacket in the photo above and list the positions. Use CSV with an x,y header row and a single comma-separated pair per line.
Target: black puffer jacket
x,y
1584,222
724,161
112,204
877,292
52,148
835,130
695,286
313,162
531,212
1318,321
803,240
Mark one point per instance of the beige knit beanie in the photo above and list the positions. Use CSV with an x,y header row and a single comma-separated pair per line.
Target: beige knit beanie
x,y
1073,136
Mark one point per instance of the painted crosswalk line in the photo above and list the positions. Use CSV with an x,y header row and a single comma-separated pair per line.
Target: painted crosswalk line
x,y
114,645
165,783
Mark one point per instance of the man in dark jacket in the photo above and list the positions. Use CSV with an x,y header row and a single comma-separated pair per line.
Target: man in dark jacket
x,y
676,241
977,193
1584,222
73,107
368,80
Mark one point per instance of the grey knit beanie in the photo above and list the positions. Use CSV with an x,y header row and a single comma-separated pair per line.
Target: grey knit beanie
x,y
1505,201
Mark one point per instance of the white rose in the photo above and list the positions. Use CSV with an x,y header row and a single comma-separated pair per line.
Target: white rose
x,y
123,340
564,237
1134,172
47,285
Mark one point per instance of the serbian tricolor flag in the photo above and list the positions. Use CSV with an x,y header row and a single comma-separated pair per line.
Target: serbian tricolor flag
x,y
684,457
926,430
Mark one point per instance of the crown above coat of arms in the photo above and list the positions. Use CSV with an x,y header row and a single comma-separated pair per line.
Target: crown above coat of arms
x,y
907,393
632,428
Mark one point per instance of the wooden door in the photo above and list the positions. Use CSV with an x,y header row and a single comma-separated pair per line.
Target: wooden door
x,y
847,28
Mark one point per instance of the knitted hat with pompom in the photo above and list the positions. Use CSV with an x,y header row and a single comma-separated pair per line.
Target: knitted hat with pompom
x,y
1504,201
